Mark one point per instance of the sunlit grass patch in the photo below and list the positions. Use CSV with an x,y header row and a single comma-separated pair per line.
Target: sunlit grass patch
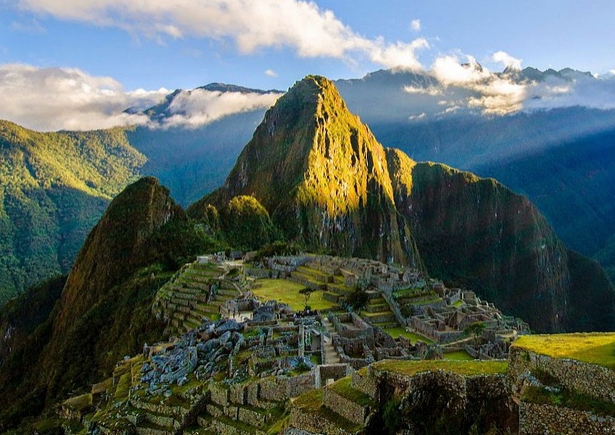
x,y
593,348
288,292
465,368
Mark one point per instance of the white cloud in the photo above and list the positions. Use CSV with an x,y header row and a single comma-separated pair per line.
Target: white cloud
x,y
251,24
49,99
415,25
450,71
418,117
499,97
271,73
596,93
507,60
430,90
199,107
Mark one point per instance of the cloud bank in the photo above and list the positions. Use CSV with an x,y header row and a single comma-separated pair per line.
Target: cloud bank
x,y
460,82
199,107
51,99
251,24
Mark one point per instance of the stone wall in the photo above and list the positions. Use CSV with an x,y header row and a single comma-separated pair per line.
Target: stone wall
x,y
280,388
331,371
305,421
549,419
590,379
348,409
366,383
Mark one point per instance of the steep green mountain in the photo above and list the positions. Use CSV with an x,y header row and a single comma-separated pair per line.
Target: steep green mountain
x,y
103,312
53,188
330,186
322,177
479,234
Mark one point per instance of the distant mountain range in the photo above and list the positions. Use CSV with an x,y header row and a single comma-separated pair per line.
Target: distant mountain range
x,y
558,154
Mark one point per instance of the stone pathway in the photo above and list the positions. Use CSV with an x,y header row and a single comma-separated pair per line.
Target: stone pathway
x,y
331,355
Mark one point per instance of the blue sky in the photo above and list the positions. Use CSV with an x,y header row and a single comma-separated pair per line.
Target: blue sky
x,y
125,45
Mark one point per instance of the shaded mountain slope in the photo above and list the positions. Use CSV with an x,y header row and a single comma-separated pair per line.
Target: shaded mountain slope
x,y
573,184
103,312
478,234
329,185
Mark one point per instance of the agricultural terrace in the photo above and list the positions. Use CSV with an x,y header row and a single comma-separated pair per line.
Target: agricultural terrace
x,y
464,368
593,348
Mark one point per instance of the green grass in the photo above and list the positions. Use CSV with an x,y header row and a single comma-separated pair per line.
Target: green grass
x,y
123,385
79,402
344,389
311,402
569,399
288,292
461,355
465,368
593,348
413,337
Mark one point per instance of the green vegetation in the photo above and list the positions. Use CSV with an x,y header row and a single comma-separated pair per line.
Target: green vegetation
x,y
344,389
465,368
358,299
391,416
476,330
246,223
289,292
569,399
461,355
55,186
412,336
311,402
593,348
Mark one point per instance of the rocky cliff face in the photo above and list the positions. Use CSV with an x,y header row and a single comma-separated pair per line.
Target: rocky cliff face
x,y
327,182
477,233
322,176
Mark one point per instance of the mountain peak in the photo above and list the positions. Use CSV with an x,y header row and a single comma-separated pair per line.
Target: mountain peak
x,y
313,164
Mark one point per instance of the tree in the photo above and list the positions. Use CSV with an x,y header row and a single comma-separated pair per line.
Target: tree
x,y
475,330
306,292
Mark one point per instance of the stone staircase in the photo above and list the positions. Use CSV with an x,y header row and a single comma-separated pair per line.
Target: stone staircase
x,y
330,354
378,312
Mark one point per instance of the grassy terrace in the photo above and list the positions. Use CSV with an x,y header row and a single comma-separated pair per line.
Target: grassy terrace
x,y
464,368
461,355
311,402
593,348
413,337
288,292
343,388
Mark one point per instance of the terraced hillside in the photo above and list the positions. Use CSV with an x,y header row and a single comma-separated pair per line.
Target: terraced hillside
x,y
196,291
